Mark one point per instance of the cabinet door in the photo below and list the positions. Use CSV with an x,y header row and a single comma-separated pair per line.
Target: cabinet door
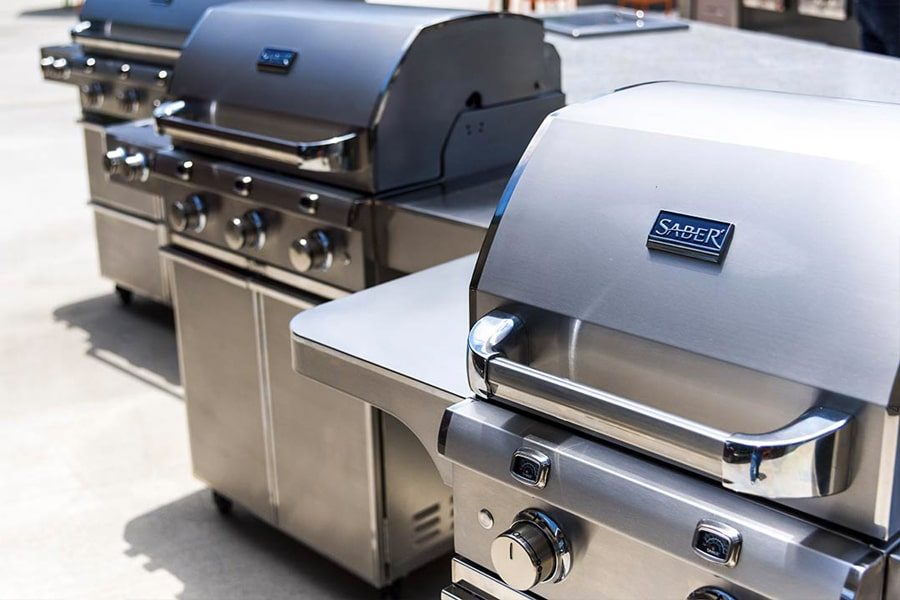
x,y
326,464
216,315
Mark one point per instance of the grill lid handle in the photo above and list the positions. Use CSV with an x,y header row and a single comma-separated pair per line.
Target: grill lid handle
x,y
807,458
339,154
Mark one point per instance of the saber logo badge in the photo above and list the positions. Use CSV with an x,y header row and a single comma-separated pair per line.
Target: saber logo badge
x,y
695,237
276,60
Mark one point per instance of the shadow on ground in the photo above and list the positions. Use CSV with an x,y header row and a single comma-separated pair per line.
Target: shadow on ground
x,y
68,11
138,339
239,556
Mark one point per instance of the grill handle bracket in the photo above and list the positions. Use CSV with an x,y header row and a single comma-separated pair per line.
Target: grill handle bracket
x,y
807,458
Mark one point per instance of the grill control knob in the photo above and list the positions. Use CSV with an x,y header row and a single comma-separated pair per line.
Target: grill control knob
x,y
247,231
114,161
188,214
130,100
710,593
133,167
61,68
534,550
312,252
92,94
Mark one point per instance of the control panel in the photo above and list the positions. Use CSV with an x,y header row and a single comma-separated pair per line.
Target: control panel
x,y
268,219
108,86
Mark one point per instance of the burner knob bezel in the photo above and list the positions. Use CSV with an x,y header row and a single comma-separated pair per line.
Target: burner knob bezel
x,y
533,550
246,232
312,252
188,215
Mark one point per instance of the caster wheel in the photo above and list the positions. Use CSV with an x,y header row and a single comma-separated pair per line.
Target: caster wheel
x,y
393,591
223,503
125,296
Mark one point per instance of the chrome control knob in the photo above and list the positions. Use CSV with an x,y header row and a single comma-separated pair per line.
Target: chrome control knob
x,y
710,593
130,100
132,167
312,252
114,161
61,68
247,231
534,550
188,214
92,94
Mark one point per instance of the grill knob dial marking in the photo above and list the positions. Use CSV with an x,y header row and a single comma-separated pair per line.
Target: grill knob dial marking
x,y
534,550
246,231
188,214
312,252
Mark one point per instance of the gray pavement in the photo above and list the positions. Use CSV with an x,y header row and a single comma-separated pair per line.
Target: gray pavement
x,y
97,499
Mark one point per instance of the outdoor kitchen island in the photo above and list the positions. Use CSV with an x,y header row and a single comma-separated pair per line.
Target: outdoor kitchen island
x,y
401,347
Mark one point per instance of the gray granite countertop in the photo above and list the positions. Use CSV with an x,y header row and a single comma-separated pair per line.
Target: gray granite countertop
x,y
720,55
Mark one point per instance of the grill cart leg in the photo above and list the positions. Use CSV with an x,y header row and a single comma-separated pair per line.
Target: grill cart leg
x,y
223,503
125,296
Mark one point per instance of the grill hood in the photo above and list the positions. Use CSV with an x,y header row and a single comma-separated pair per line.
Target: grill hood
x,y
368,94
113,25
810,287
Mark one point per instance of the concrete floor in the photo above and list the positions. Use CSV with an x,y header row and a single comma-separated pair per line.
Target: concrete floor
x,y
96,494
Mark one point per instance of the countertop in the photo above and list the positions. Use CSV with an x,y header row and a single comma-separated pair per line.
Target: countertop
x,y
415,326
723,56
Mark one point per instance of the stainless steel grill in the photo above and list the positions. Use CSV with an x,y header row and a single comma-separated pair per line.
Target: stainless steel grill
x,y
122,54
122,59
319,148
731,313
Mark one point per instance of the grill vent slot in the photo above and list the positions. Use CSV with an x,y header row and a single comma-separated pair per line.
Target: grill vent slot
x,y
427,524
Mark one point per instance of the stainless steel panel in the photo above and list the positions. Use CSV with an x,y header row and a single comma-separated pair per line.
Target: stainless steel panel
x,y
129,198
128,249
472,583
327,464
220,371
626,517
379,367
417,505
892,581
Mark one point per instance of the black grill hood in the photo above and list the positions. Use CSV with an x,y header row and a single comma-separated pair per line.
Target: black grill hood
x,y
157,23
375,95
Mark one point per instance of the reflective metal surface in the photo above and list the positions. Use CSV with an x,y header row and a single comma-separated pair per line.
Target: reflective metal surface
x,y
627,517
333,155
685,353
533,550
128,251
343,117
807,458
331,471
